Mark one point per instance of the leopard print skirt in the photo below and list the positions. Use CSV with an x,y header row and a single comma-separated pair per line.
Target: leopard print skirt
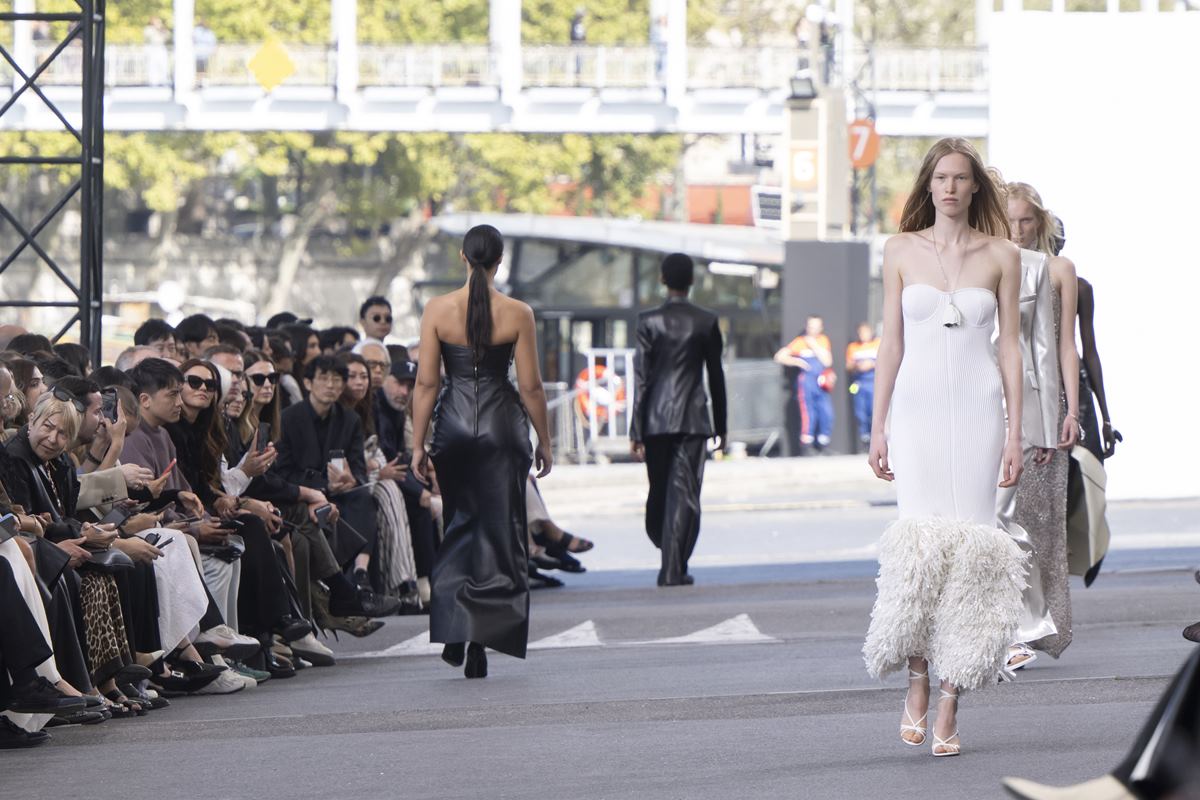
x,y
103,625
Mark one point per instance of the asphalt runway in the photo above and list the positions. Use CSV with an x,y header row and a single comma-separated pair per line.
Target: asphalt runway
x,y
748,685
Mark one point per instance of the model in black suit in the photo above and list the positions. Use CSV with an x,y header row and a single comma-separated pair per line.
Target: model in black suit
x,y
671,424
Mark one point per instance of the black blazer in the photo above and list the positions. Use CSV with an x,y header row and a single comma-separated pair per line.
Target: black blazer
x,y
303,457
675,342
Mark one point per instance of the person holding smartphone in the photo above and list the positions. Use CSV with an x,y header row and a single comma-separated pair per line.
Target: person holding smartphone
x,y
321,446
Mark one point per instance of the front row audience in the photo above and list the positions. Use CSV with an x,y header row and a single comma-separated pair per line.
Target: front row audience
x,y
185,521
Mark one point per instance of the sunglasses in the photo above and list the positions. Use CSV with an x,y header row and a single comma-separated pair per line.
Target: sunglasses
x,y
378,318
196,383
67,397
264,377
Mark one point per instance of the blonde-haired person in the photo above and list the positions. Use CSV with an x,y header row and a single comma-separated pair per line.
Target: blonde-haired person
x,y
1050,426
41,479
949,579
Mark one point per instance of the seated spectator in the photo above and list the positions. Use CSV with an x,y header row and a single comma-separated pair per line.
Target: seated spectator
x,y
29,383
29,343
53,368
335,340
312,556
283,318
158,336
305,345
230,336
394,429
76,355
391,570
375,316
110,376
321,446
132,356
194,335
256,604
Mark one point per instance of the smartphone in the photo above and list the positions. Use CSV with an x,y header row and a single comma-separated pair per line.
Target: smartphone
x,y
322,514
109,405
187,520
338,459
161,545
264,436
116,516
233,524
170,467
8,527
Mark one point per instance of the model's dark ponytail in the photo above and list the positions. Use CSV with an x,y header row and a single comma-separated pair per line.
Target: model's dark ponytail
x,y
483,246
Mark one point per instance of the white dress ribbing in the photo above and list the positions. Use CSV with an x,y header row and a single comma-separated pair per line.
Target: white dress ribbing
x,y
949,580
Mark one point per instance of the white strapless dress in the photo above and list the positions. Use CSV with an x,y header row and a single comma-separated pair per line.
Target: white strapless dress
x,y
949,580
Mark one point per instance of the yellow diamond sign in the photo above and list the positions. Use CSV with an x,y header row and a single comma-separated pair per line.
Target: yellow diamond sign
x,y
272,65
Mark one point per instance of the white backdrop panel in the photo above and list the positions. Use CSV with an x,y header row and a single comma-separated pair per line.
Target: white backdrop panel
x,y
1101,113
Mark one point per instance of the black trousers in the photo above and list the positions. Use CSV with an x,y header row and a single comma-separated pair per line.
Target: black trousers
x,y
22,646
675,465
262,596
139,607
420,525
1163,760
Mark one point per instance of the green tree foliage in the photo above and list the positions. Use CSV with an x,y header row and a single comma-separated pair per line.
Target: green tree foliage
x,y
306,21
387,21
944,23
607,21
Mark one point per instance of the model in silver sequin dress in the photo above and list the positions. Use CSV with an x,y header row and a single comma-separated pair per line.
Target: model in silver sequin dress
x,y
1041,509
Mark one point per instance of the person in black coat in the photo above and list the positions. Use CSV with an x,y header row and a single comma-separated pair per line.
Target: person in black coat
x,y
311,436
671,423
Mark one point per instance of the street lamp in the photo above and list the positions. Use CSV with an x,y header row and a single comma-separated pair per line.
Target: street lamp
x,y
803,86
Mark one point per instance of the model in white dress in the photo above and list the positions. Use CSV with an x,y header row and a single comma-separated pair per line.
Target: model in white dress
x,y
950,580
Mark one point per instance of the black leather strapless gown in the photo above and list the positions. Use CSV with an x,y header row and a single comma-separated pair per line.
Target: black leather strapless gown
x,y
482,453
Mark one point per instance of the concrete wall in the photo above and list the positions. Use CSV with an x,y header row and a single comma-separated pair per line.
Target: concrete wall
x,y
1100,113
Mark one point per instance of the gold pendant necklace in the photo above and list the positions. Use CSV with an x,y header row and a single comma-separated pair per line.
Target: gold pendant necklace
x,y
951,316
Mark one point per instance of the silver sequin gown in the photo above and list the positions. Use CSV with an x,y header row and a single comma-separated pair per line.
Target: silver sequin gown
x,y
1041,509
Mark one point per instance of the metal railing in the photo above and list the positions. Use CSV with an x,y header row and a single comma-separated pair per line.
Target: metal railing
x,y
963,69
229,65
753,68
403,65
425,65
591,66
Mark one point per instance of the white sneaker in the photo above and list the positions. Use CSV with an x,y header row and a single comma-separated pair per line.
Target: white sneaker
x,y
312,650
227,682
225,640
248,682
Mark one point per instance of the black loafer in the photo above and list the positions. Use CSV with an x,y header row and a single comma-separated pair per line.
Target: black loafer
x,y
43,697
292,628
76,718
13,737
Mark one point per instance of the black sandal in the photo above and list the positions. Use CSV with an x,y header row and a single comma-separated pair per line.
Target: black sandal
x,y
122,707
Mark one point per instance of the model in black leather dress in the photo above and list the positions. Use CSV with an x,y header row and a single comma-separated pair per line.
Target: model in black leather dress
x,y
482,454
481,451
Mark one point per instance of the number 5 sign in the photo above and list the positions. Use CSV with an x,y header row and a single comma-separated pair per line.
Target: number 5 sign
x,y
805,175
864,143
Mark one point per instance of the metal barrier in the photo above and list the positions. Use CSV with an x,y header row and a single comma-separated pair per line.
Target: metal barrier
x,y
427,66
765,68
402,65
963,69
590,66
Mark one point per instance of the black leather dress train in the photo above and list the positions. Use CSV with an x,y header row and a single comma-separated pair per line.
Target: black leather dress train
x,y
482,453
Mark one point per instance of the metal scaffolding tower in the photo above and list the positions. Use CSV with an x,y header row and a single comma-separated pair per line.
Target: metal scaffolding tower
x,y
84,40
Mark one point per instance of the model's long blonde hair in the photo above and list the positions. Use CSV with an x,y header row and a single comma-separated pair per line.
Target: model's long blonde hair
x,y
1047,224
987,212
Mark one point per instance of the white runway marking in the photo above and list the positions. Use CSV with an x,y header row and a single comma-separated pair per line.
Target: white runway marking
x,y
736,630
582,635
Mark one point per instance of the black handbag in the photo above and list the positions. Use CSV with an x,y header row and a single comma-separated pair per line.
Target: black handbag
x,y
107,561
230,551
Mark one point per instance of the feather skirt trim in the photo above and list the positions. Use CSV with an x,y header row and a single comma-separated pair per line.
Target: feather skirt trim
x,y
948,591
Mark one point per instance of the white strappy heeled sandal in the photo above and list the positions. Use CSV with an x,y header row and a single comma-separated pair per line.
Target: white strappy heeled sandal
x,y
914,726
944,747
